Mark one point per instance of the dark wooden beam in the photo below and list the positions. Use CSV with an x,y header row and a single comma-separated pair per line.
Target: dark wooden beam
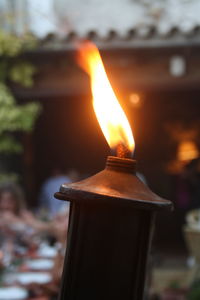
x,y
128,69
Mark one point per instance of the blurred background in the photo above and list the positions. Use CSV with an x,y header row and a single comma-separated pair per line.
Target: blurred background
x,y
49,133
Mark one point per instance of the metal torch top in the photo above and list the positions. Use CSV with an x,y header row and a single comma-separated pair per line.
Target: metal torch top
x,y
117,183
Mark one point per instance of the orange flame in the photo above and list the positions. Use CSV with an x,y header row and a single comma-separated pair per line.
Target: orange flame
x,y
110,115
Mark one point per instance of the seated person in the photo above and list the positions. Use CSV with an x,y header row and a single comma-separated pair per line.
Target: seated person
x,y
14,217
12,205
11,199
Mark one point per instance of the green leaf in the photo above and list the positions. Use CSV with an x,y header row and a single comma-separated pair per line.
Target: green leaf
x,y
18,117
14,117
22,72
10,45
9,177
9,145
6,97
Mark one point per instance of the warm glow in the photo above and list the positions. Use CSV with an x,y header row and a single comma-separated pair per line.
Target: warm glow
x,y
110,115
187,150
135,100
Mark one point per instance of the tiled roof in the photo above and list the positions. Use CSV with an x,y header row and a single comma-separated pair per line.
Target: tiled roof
x,y
119,16
111,23
134,38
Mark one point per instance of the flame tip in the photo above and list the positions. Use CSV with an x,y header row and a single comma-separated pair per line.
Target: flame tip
x,y
110,115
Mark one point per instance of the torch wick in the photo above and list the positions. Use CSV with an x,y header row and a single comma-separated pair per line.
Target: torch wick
x,y
122,151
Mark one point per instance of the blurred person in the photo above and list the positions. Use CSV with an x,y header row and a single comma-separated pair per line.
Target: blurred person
x,y
193,177
188,191
11,199
14,217
51,186
13,212
20,228
56,227
187,196
12,206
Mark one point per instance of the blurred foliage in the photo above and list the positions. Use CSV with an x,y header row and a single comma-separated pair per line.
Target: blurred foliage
x,y
9,177
174,284
22,72
15,117
194,293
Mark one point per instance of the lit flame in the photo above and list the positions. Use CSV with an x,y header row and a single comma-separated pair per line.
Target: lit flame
x,y
110,115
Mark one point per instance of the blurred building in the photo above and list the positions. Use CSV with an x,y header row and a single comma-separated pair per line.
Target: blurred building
x,y
151,53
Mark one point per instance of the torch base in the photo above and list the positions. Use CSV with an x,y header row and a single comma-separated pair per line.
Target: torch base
x,y
110,228
107,252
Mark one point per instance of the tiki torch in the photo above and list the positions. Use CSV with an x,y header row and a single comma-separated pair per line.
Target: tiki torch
x,y
112,213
